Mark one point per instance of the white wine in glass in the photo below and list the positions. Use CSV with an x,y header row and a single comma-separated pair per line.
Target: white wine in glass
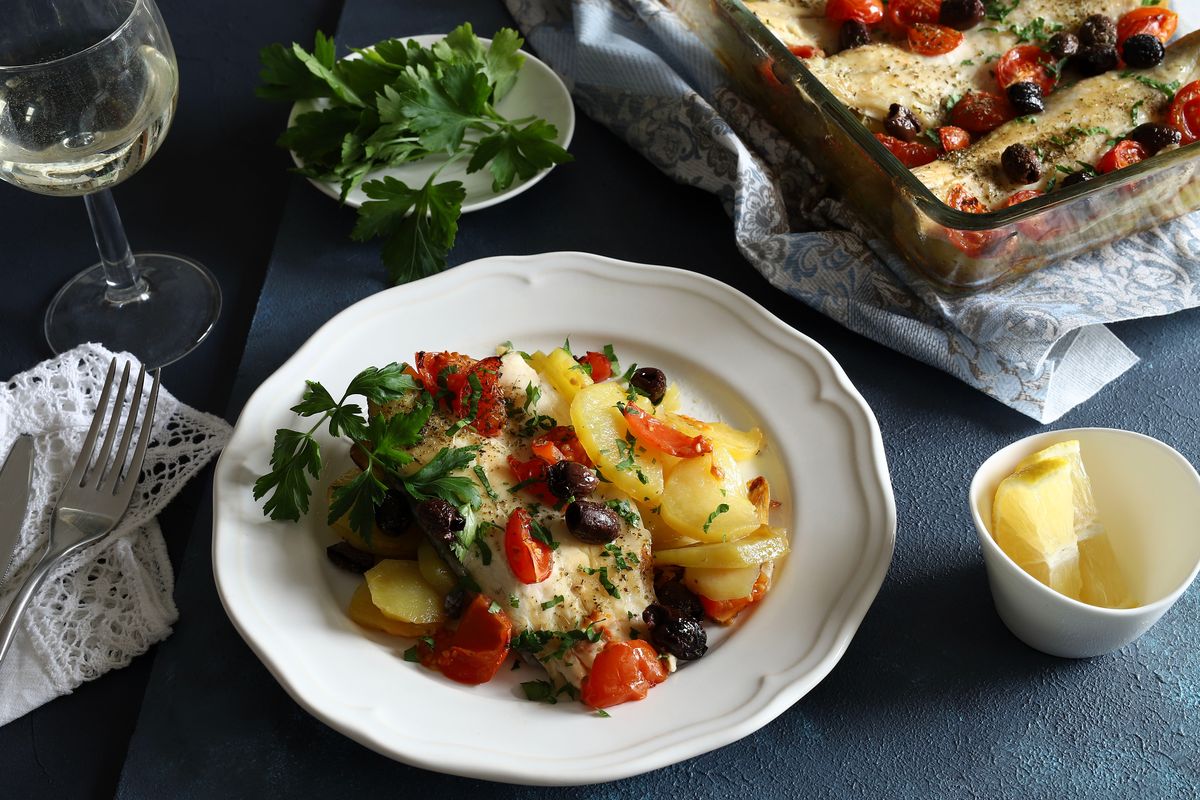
x,y
87,93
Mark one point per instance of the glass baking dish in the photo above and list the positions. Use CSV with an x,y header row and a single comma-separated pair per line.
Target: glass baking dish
x,y
956,250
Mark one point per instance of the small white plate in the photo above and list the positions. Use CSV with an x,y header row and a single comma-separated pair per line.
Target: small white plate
x,y
824,460
538,92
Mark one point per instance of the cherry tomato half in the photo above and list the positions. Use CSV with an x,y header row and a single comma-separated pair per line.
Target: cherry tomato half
x,y
911,154
903,13
805,51
621,673
1037,228
531,475
933,40
866,11
480,397
559,443
1158,22
531,560
651,432
724,611
1026,62
1022,196
981,112
1126,153
973,243
600,370
1184,114
474,651
953,138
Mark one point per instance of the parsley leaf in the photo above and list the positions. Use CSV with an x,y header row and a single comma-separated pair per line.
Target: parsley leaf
x,y
554,601
512,153
1168,89
420,225
604,579
294,454
718,511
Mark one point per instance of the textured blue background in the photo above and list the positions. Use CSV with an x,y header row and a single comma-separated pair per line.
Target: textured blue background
x,y
934,697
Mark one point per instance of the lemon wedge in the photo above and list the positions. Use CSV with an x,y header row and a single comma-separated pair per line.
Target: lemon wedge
x,y
1033,521
1102,581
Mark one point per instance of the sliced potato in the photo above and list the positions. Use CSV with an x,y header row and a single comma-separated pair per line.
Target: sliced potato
x,y
672,399
564,373
399,591
740,444
722,584
601,430
365,613
434,569
705,498
764,544
381,543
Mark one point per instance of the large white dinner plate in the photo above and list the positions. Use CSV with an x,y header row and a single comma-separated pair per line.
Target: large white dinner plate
x,y
538,92
824,460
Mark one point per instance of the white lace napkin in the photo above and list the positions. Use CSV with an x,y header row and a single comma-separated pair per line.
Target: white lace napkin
x,y
109,603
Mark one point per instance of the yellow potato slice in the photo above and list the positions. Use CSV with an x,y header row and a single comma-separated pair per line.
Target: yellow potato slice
x,y
365,613
705,498
672,399
722,584
434,569
601,430
381,543
564,373
399,591
764,544
740,444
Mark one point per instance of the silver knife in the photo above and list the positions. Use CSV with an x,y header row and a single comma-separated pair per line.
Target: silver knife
x,y
15,477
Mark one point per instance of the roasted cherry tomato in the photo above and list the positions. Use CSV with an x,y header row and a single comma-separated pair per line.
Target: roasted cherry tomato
x,y
601,370
1158,22
1027,63
480,398
1038,228
623,672
651,432
980,112
911,154
953,138
531,560
868,11
973,243
1184,114
559,443
724,611
531,475
1126,153
903,13
805,51
1022,196
443,374
473,652
933,40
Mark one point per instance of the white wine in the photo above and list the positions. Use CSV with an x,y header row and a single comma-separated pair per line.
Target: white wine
x,y
85,131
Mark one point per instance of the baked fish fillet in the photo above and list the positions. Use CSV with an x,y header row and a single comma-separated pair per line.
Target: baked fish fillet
x,y
798,23
575,596
870,78
1077,126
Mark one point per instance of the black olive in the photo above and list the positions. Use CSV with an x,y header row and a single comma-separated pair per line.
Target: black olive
x,y
1026,98
651,382
393,515
853,34
567,480
1063,45
440,519
961,14
1097,31
456,602
901,123
1143,51
1076,178
1155,137
594,523
680,600
1021,164
1095,60
343,556
685,639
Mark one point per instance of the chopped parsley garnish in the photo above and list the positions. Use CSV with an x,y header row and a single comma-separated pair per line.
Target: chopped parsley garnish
x,y
535,642
932,135
1038,30
613,364
1168,89
554,601
1028,119
473,405
718,511
483,480
625,511
1133,111
604,581
567,346
541,534
625,560
485,552
532,395
951,100
514,601
997,10
600,712
628,373
539,691
494,608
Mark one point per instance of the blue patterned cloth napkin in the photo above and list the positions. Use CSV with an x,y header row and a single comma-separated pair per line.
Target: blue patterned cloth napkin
x,y
1038,344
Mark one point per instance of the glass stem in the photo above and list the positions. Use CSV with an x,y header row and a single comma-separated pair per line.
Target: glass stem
x,y
123,283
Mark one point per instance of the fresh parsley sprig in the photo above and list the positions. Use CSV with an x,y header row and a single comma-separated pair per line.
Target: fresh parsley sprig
x,y
296,455
401,102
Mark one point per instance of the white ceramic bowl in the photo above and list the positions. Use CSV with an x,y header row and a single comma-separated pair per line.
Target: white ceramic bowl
x,y
1149,501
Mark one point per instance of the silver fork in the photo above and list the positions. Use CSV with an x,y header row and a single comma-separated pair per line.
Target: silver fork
x,y
96,495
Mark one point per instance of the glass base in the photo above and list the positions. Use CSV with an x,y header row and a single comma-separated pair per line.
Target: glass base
x,y
175,308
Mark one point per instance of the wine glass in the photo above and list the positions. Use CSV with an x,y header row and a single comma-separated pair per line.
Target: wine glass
x,y
87,93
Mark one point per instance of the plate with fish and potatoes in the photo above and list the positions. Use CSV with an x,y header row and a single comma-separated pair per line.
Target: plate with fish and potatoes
x,y
645,539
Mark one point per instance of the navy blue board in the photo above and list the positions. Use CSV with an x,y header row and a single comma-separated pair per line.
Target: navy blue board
x,y
934,696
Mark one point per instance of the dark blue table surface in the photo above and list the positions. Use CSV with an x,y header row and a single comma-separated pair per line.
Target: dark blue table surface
x,y
933,698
